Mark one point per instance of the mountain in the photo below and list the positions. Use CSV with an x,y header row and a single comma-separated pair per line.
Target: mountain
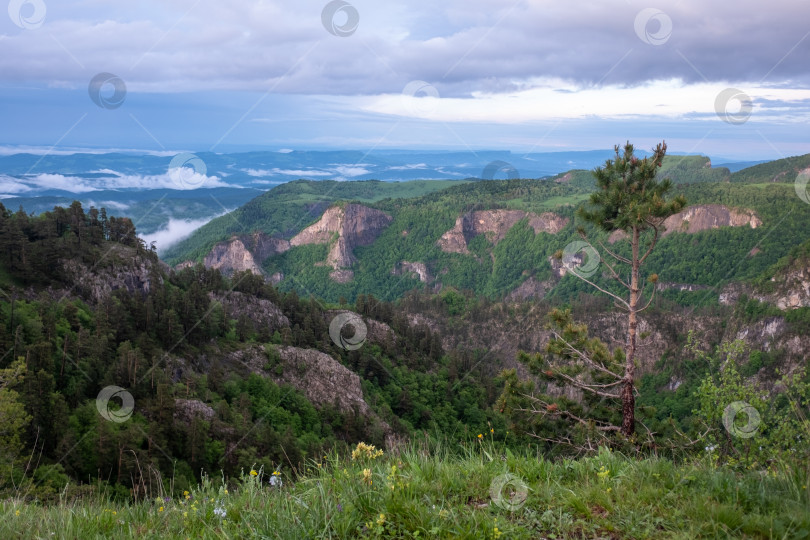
x,y
229,372
497,238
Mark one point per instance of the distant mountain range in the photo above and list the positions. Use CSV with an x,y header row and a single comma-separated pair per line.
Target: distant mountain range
x,y
169,195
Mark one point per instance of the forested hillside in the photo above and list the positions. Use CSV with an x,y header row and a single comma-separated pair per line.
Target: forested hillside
x,y
407,254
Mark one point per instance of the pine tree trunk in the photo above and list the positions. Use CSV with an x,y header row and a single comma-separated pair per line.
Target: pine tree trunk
x,y
628,397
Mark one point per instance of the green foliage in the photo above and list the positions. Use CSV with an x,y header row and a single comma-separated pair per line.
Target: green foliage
x,y
426,490
744,428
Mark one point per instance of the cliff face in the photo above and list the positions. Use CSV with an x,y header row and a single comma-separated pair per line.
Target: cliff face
x,y
131,271
495,224
322,379
344,227
701,218
710,216
244,253
788,289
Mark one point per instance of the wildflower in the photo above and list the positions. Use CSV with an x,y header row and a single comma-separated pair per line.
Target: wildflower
x,y
185,493
339,507
220,512
496,533
368,451
603,472
480,436
17,513
367,476
381,520
275,480
253,473
226,492
491,430
160,509
609,490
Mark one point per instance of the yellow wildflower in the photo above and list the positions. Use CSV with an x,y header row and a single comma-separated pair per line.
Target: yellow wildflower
x,y
17,513
381,520
160,509
480,436
253,473
368,451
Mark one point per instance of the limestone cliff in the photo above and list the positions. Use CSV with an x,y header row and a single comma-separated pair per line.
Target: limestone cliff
x,y
244,253
495,224
344,227
703,217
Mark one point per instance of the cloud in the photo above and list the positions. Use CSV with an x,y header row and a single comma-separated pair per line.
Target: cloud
x,y
10,150
285,172
459,46
182,178
175,231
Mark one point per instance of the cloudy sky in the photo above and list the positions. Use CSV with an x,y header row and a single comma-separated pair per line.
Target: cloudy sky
x,y
714,77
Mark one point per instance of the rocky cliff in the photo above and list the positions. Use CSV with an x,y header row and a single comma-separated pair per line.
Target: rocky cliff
x,y
262,313
322,379
701,218
244,253
127,269
344,227
495,224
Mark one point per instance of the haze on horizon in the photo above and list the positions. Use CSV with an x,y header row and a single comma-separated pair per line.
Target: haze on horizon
x,y
526,76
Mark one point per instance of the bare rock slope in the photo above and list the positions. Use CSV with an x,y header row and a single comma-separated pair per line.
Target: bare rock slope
x,y
244,253
703,217
344,227
495,224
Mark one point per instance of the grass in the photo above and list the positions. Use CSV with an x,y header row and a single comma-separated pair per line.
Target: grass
x,y
427,491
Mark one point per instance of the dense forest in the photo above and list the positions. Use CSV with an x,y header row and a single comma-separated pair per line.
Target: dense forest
x,y
87,306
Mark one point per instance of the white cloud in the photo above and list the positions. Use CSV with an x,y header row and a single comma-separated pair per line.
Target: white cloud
x,y
176,230
554,100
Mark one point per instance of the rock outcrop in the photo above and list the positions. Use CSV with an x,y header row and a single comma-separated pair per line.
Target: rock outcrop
x,y
703,217
129,270
244,253
262,313
417,269
495,224
344,227
322,379
789,289
185,410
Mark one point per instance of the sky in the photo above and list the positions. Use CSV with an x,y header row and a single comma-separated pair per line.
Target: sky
x,y
710,77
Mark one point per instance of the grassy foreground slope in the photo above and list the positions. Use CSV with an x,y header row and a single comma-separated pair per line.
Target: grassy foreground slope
x,y
425,491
